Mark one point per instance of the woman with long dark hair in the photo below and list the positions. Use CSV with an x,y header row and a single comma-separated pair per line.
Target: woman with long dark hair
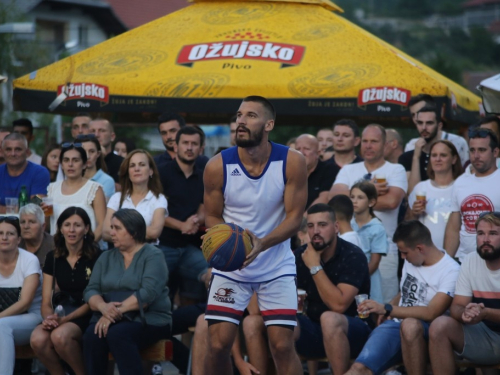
x,y
50,160
76,190
69,267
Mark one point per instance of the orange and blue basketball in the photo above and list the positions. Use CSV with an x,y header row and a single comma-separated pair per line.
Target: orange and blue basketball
x,y
225,247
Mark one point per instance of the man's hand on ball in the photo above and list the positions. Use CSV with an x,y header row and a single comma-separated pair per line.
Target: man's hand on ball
x,y
256,249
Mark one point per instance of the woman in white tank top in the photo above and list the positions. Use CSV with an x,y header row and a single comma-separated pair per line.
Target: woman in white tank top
x,y
75,190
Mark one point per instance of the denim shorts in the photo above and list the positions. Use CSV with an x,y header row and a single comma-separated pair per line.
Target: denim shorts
x,y
383,348
310,343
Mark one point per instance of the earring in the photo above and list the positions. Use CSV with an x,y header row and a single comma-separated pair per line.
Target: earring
x,y
150,176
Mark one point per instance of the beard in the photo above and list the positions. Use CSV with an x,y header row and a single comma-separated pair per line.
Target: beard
x,y
185,161
493,255
253,140
320,246
431,136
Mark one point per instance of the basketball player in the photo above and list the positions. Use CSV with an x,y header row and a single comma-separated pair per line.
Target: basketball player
x,y
261,186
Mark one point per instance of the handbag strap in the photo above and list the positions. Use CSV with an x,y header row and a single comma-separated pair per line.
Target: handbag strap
x,y
141,309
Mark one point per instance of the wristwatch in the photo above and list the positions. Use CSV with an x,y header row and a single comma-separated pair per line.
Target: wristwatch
x,y
388,309
315,270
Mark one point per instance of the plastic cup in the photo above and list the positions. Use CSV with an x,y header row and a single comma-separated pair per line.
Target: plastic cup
x,y
11,206
301,296
49,208
421,196
380,178
360,298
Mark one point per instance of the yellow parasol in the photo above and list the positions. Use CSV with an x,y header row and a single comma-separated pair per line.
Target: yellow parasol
x,y
205,58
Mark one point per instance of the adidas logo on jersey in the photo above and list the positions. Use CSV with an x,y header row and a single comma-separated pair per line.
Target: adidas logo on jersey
x,y
236,172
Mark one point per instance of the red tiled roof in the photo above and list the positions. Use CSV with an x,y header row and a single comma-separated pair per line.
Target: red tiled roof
x,y
135,13
475,3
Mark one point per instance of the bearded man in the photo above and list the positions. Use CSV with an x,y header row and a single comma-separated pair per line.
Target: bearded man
x,y
473,330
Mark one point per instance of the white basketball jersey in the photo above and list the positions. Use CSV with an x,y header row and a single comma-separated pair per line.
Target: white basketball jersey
x,y
257,204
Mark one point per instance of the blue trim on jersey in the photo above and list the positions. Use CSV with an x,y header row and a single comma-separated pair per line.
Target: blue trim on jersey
x,y
230,156
252,282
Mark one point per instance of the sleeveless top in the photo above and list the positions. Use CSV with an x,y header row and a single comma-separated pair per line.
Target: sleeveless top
x,y
257,204
82,198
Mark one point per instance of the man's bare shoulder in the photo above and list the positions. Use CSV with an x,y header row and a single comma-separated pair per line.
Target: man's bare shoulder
x,y
214,171
296,164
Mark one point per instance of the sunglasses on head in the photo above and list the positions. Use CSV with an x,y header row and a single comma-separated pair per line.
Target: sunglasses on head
x,y
479,133
71,144
9,219
494,213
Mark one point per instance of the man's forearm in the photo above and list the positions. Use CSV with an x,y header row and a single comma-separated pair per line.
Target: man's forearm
x,y
282,232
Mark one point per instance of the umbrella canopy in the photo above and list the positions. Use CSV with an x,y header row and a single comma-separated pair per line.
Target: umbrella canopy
x,y
205,58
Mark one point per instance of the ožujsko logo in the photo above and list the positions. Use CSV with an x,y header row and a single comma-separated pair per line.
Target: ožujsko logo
x,y
286,54
394,95
82,90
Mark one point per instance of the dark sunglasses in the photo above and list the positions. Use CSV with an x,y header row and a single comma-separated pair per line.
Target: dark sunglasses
x,y
70,144
367,176
9,219
480,133
494,213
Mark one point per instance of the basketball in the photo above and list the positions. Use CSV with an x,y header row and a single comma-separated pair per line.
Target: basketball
x,y
225,247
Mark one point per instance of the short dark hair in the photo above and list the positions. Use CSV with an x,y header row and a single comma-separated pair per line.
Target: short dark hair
x,y
190,130
321,207
170,116
265,103
350,123
428,99
232,119
412,233
487,120
431,109
480,133
342,206
133,222
83,114
23,122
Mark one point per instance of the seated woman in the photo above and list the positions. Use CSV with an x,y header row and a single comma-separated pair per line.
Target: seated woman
x,y
71,264
138,269
18,269
141,190
76,190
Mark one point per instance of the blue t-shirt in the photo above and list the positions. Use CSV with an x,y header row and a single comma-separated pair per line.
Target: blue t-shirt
x,y
106,181
35,177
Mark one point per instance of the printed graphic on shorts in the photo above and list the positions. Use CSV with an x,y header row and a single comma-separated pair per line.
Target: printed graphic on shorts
x,y
224,294
471,207
413,291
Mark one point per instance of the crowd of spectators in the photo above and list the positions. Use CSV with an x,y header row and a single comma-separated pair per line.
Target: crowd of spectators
x,y
398,223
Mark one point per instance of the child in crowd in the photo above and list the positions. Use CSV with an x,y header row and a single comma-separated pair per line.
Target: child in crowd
x,y
344,210
371,232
